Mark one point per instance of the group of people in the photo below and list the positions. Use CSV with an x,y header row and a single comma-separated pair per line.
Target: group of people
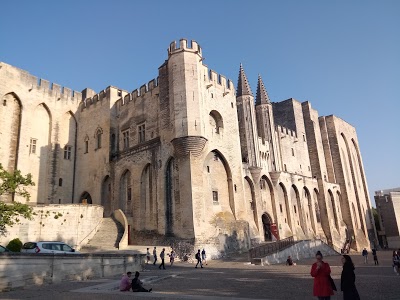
x,y
201,257
171,255
320,270
136,284
324,284
365,256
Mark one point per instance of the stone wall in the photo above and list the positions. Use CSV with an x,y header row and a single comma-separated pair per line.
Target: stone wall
x,y
40,119
299,251
183,149
20,270
73,224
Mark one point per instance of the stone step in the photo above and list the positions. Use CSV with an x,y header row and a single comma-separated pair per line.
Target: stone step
x,y
107,237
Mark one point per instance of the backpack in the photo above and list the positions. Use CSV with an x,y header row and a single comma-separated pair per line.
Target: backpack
x,y
197,256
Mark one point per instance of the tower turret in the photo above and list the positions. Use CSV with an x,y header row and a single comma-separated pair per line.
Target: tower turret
x,y
180,96
262,95
243,87
265,124
247,120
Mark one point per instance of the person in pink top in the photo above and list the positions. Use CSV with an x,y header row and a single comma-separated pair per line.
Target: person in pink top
x,y
125,284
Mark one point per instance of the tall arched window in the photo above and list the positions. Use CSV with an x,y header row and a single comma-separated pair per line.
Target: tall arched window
x,y
99,133
317,212
216,121
335,218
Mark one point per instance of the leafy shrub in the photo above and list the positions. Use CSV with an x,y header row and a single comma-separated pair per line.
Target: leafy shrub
x,y
15,245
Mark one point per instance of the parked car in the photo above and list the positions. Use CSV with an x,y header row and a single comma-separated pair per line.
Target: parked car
x,y
48,247
3,249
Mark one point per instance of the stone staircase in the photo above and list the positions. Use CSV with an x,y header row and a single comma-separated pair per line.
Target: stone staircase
x,y
298,250
106,238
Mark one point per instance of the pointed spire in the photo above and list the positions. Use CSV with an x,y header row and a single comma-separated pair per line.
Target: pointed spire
x,y
243,87
262,95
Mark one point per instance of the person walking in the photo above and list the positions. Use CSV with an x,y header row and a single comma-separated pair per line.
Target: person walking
x,y
155,255
162,256
348,279
172,257
376,262
148,256
321,271
365,255
395,262
204,256
198,257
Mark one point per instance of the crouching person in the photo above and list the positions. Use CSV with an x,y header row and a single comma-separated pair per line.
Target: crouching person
x,y
137,284
125,284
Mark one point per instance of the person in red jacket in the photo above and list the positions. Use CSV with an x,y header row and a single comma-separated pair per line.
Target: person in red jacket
x,y
321,272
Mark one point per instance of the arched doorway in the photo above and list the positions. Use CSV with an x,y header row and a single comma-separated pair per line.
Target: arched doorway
x,y
267,221
85,198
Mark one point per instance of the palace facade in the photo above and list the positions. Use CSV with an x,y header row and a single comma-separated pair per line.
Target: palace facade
x,y
190,156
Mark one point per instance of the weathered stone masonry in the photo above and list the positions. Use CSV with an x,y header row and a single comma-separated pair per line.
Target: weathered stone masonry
x,y
189,156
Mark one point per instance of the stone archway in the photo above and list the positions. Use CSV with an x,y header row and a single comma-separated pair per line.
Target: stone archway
x,y
267,222
85,198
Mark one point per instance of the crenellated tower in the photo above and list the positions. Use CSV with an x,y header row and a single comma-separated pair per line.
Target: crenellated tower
x,y
266,125
180,90
247,121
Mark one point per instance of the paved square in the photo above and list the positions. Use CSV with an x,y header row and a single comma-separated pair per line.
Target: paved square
x,y
229,279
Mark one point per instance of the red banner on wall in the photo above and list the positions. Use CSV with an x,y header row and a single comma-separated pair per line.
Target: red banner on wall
x,y
274,231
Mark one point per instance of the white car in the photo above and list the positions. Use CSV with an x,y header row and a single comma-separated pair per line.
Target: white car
x,y
48,247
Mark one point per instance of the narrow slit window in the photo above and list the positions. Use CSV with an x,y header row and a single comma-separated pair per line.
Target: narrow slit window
x,y
86,146
215,197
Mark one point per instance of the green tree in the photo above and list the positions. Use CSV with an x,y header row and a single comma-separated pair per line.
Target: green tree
x,y
14,183
376,219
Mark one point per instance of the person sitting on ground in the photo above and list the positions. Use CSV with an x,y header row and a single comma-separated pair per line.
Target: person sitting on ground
x,y
289,261
125,284
137,285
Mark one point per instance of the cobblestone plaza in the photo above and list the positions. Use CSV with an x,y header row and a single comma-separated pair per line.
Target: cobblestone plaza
x,y
229,279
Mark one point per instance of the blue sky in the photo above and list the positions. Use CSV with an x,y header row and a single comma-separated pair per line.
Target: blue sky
x,y
342,56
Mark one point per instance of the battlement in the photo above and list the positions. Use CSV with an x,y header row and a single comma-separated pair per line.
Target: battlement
x,y
220,80
285,132
56,90
86,103
137,93
32,82
184,45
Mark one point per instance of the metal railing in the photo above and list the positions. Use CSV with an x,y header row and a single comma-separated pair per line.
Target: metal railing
x,y
269,248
